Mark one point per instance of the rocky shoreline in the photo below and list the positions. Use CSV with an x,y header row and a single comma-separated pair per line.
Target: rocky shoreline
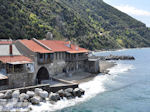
x,y
113,57
16,100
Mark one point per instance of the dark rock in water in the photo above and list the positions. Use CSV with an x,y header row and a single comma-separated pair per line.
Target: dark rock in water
x,y
35,100
61,93
68,95
77,92
8,94
54,97
82,91
113,57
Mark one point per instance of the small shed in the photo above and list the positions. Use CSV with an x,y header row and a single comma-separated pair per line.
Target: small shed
x,y
92,65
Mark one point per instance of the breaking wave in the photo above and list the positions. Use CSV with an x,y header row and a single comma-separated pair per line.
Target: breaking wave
x,y
120,68
92,88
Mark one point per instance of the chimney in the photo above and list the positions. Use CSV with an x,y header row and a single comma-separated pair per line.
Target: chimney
x,y
10,48
77,48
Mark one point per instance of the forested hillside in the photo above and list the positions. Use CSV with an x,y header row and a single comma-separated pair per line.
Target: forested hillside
x,y
92,24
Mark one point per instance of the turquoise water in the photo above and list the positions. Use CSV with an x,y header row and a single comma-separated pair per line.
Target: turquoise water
x,y
127,89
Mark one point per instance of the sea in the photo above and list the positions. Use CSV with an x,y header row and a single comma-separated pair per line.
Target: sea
x,y
127,89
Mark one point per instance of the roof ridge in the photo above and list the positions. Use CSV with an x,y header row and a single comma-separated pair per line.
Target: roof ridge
x,y
41,44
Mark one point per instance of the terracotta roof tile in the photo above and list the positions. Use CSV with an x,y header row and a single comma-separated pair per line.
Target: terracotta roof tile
x,y
15,59
5,42
54,45
61,46
33,46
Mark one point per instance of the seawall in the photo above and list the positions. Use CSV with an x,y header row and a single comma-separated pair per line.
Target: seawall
x,y
45,87
104,65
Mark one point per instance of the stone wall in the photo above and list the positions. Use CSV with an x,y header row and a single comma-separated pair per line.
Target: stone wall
x,y
4,87
20,80
92,66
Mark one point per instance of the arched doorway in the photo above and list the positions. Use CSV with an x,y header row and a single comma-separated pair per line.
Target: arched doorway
x,y
42,75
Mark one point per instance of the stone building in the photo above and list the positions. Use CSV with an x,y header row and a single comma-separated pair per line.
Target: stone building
x,y
28,62
52,57
15,69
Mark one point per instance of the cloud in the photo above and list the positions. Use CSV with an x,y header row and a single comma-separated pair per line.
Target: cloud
x,y
132,10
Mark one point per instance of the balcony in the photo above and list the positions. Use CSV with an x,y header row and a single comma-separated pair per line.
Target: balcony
x,y
44,61
44,58
79,58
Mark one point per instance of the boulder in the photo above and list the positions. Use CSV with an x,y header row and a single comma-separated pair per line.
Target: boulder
x,y
69,90
8,94
82,91
77,92
23,97
54,97
37,90
43,94
61,93
16,94
30,93
2,95
68,95
35,100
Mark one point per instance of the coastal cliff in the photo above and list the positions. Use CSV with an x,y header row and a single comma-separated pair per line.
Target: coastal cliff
x,y
92,24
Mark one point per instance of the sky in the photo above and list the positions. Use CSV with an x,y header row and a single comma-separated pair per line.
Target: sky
x,y
139,9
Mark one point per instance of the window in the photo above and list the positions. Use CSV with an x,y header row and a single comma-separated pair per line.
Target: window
x,y
40,56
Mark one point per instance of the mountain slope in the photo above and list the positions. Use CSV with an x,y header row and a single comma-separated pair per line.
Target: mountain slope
x,y
92,24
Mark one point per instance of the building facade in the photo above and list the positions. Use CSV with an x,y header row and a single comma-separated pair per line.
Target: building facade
x,y
28,62
15,69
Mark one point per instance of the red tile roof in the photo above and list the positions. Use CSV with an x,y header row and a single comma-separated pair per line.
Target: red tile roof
x,y
61,46
15,59
34,47
5,42
54,45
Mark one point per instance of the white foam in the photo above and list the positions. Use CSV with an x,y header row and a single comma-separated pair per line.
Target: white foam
x,y
120,68
92,88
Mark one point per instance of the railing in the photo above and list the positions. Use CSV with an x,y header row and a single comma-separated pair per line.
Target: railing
x,y
80,58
